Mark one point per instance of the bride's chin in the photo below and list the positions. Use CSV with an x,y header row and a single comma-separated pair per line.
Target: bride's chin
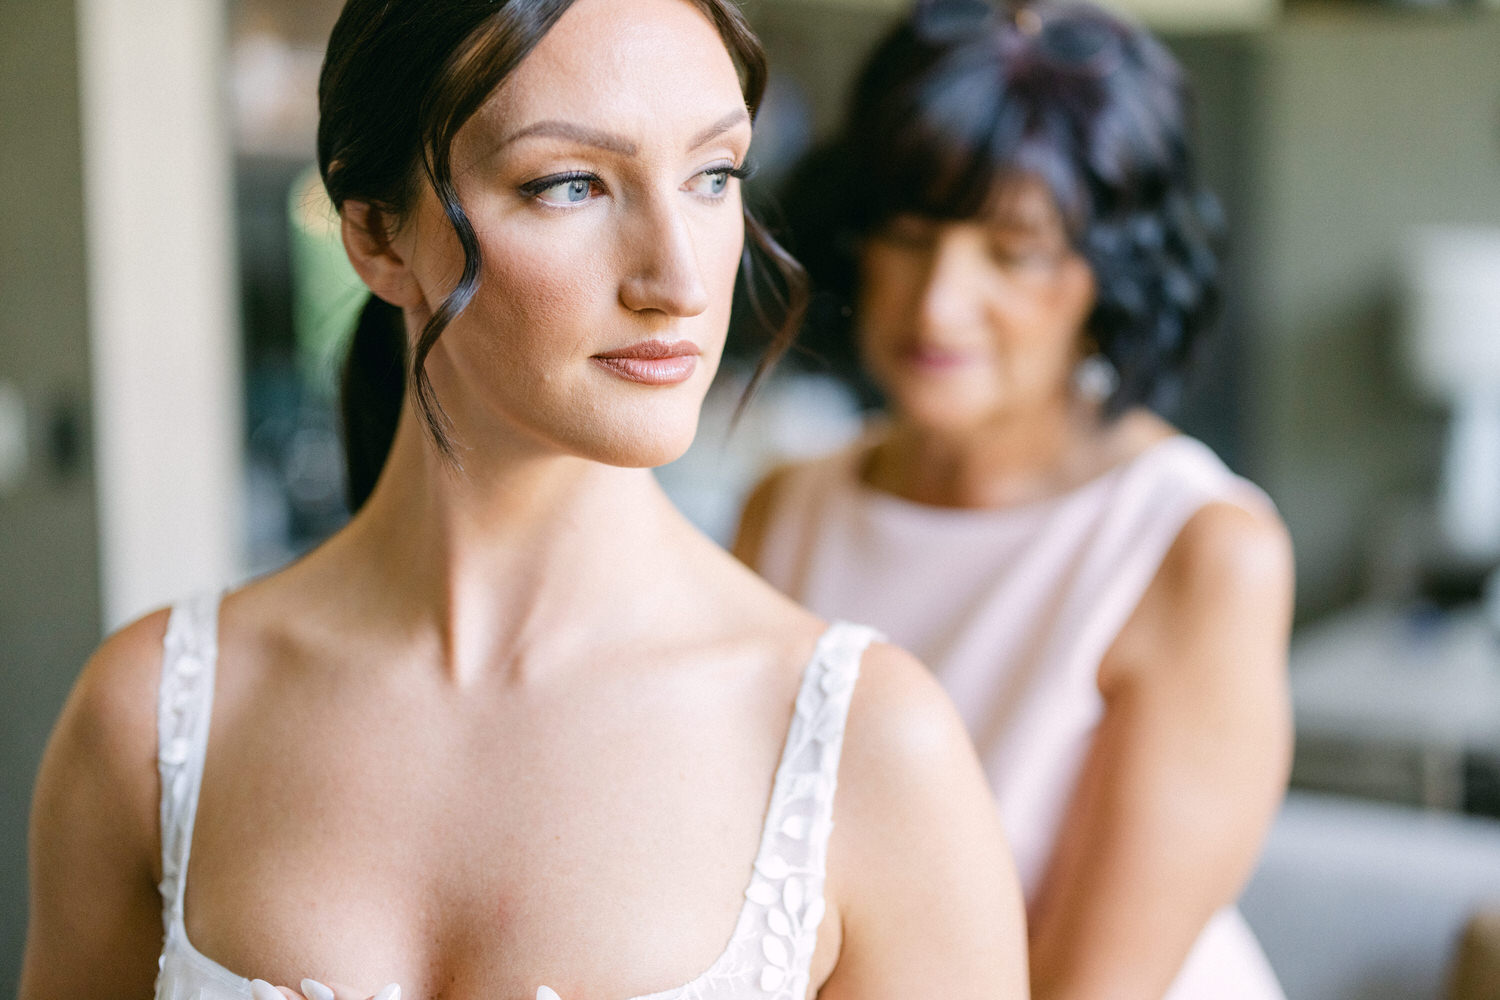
x,y
650,449
644,434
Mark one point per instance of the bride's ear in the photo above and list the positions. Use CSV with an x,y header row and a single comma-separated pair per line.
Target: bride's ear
x,y
376,258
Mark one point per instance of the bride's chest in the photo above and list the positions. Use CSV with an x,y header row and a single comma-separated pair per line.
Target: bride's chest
x,y
611,868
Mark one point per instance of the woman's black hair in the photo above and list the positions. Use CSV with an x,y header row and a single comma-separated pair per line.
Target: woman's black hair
x,y
965,95
400,78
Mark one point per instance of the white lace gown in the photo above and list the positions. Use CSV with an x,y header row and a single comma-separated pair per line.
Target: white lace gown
x,y
769,953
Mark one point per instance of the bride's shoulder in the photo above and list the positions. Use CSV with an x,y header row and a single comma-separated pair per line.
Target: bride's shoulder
x,y
101,758
109,721
903,731
111,711
916,829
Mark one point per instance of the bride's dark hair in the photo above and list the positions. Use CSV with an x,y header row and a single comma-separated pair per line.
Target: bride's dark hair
x,y
400,79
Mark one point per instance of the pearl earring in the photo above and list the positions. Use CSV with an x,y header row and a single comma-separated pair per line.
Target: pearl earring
x,y
1095,378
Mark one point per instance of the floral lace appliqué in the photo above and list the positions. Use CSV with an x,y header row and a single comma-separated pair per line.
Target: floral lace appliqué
x,y
183,713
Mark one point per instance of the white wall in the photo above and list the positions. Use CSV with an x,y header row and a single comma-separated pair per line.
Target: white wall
x,y
157,181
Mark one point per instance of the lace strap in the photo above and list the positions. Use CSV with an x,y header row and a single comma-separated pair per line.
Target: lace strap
x,y
184,710
792,863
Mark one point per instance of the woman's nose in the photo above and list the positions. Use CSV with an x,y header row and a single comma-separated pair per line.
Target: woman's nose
x,y
665,275
951,289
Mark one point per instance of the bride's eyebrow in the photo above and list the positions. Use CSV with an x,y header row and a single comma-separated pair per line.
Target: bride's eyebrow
x,y
736,117
556,129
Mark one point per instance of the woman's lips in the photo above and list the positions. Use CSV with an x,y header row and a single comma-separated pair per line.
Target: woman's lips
x,y
653,362
936,360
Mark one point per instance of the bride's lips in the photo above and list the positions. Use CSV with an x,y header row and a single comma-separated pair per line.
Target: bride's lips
x,y
653,362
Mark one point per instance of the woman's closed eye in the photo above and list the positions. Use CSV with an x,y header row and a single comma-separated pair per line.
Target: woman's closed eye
x,y
1026,250
909,233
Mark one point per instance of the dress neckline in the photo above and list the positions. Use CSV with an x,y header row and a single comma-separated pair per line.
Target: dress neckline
x,y
833,683
853,461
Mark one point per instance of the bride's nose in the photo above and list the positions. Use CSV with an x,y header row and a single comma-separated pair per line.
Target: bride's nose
x,y
663,273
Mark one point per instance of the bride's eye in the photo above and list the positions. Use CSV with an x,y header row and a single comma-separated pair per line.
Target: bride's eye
x,y
718,180
713,182
563,189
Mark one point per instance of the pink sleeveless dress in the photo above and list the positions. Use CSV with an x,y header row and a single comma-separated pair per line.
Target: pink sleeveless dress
x,y
1014,609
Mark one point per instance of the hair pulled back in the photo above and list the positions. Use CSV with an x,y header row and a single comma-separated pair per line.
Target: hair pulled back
x,y
965,95
400,79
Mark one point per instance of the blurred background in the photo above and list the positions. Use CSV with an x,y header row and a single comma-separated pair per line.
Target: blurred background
x,y
173,300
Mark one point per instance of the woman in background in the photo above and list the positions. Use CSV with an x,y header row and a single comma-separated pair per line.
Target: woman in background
x,y
1012,217
518,723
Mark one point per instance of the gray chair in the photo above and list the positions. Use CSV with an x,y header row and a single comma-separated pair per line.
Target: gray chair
x,y
1357,900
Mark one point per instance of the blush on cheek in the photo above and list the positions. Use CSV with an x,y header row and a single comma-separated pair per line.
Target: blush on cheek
x,y
538,304
553,284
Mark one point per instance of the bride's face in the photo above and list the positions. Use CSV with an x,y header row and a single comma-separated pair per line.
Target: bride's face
x,y
600,182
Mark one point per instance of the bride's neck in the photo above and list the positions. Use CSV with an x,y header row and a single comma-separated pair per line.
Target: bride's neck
x,y
495,554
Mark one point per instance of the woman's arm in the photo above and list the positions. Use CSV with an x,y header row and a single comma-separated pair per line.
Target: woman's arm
x,y
95,926
927,899
1186,771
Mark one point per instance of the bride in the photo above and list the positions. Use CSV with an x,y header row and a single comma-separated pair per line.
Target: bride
x,y
518,727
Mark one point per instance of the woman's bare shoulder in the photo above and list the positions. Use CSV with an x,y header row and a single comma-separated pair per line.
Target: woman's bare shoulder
x,y
1229,561
1222,596
111,712
101,759
1229,544
95,845
755,516
902,726
770,492
917,832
